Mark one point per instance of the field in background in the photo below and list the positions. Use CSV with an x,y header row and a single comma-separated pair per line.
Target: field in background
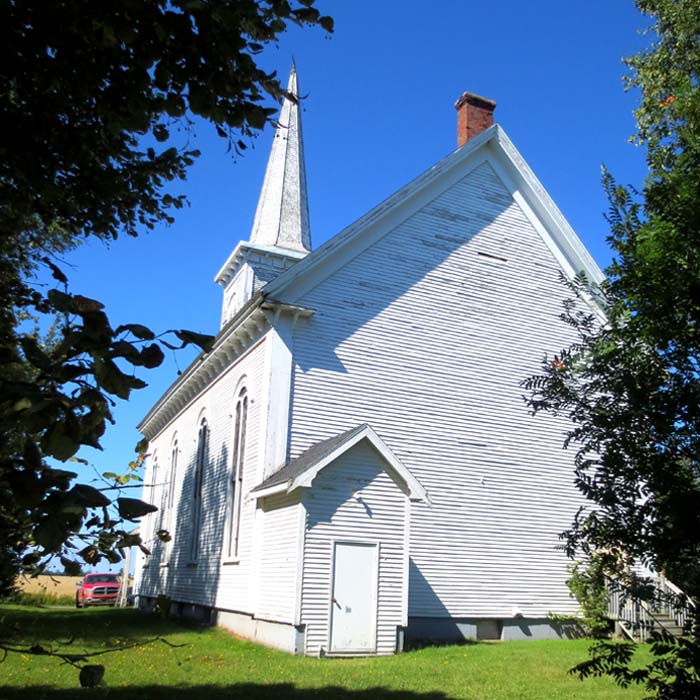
x,y
49,585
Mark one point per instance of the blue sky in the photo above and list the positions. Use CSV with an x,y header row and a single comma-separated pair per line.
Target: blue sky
x,y
379,110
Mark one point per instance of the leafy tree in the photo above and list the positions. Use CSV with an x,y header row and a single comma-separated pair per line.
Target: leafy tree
x,y
97,101
631,383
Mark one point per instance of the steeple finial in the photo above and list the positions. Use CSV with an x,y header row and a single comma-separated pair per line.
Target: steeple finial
x,y
282,216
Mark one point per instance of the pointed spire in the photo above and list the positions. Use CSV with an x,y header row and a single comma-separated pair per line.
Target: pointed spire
x,y
282,216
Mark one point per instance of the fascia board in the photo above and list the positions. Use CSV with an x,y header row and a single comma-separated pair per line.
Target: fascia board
x,y
416,490
223,276
271,490
492,146
305,479
220,277
556,231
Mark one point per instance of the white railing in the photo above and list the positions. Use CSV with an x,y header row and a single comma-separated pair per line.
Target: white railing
x,y
675,602
631,614
638,619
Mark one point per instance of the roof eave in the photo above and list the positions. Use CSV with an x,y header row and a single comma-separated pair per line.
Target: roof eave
x,y
416,492
495,144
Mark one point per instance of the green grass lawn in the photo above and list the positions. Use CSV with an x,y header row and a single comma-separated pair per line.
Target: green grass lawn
x,y
213,665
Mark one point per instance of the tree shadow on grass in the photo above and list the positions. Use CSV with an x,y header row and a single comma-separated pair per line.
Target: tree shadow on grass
x,y
242,691
92,626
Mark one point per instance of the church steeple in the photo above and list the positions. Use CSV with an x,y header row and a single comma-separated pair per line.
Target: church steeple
x,y
280,236
282,216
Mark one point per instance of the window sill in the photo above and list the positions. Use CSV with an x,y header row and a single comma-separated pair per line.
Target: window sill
x,y
232,560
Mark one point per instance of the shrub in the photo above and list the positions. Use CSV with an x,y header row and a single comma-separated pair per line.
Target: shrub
x,y
587,586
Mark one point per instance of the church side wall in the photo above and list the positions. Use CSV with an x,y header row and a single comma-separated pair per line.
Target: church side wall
x,y
279,557
353,499
426,335
169,570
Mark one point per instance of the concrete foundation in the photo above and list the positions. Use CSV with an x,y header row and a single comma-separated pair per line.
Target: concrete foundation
x,y
456,630
279,635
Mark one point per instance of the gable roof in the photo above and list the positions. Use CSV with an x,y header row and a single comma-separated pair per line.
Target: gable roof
x,y
301,471
492,146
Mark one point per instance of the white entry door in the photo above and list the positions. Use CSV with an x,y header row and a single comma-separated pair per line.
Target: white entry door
x,y
354,597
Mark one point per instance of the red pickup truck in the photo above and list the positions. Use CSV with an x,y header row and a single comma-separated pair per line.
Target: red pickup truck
x,y
97,589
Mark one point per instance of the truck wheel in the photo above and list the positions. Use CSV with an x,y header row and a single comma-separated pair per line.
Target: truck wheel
x,y
78,604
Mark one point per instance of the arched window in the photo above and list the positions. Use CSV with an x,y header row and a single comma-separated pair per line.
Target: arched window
x,y
150,528
167,522
237,465
197,487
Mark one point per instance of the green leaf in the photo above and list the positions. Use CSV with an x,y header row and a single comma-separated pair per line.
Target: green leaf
x,y
327,23
161,133
141,332
84,304
141,446
133,508
72,567
56,272
111,378
22,404
34,353
87,496
205,342
49,534
152,356
60,301
56,443
112,556
90,554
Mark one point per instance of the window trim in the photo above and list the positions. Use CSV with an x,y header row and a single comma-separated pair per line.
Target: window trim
x,y
236,475
167,501
200,466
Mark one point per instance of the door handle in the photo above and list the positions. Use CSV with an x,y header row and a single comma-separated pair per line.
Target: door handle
x,y
335,602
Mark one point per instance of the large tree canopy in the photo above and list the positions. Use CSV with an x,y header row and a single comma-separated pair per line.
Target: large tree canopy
x,y
631,384
97,100
81,84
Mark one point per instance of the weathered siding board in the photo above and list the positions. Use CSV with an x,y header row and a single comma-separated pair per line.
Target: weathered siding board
x,y
277,580
427,339
334,511
208,582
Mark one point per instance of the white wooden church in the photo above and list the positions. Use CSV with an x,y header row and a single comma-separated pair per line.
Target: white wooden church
x,y
353,463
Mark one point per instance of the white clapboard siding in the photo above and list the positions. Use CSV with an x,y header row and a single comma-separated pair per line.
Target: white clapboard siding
x,y
426,336
143,581
278,555
208,582
353,499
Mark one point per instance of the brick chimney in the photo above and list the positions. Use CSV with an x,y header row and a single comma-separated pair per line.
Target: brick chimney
x,y
474,115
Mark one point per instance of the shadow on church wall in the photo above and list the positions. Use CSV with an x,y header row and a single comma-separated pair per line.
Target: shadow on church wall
x,y
183,579
381,275
439,627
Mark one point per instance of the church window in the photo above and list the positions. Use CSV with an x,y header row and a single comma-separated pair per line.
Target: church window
x,y
168,498
237,466
200,464
230,307
149,528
